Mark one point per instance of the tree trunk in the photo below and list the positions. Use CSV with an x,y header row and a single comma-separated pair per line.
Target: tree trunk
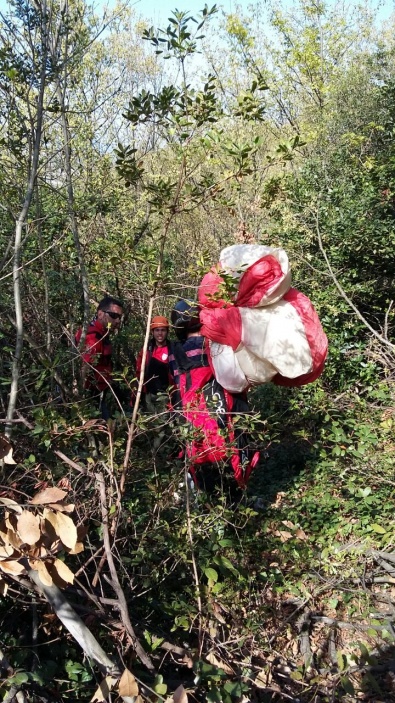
x,y
17,265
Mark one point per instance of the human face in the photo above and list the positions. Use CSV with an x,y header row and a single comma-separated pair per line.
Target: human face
x,y
111,317
160,336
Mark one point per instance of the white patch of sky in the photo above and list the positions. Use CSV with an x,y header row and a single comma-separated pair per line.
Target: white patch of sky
x,y
157,11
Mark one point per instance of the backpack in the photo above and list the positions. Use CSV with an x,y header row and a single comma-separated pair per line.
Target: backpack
x,y
208,408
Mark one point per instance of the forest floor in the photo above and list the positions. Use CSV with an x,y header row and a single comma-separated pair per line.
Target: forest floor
x,y
288,596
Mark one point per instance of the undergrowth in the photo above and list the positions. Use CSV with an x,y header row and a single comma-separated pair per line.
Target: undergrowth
x,y
294,597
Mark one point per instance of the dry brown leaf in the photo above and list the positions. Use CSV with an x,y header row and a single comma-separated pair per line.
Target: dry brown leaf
x,y
219,617
11,521
79,547
217,613
8,458
102,693
52,519
28,527
63,526
212,659
5,446
42,551
13,538
45,576
82,531
48,495
261,679
300,534
180,695
288,524
47,526
62,507
49,541
128,684
12,567
61,574
3,588
279,497
284,536
6,550
56,546
11,504
187,661
67,530
64,483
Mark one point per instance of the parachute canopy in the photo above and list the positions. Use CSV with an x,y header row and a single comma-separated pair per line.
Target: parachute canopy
x,y
260,328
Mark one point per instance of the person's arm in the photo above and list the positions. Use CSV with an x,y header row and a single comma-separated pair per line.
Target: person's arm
x,y
95,363
135,382
173,390
92,349
139,361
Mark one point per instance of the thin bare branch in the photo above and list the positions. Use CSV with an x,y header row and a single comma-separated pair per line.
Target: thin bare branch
x,y
122,604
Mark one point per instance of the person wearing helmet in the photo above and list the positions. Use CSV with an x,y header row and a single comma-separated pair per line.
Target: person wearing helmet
x,y
156,375
218,451
185,319
154,398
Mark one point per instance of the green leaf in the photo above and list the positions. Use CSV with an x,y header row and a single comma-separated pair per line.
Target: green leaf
x,y
19,678
347,685
38,677
364,651
225,564
160,688
226,542
341,661
371,632
377,528
148,637
233,688
387,635
211,574
369,678
364,492
209,671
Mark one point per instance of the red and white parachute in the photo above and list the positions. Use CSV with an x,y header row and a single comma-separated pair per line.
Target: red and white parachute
x,y
270,331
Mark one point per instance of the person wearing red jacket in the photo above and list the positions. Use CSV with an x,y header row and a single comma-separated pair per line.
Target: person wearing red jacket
x,y
97,366
156,375
154,399
218,449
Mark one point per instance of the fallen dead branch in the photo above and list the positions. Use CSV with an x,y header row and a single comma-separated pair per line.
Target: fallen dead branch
x,y
75,625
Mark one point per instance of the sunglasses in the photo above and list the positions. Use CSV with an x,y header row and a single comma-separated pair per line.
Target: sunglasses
x,y
113,315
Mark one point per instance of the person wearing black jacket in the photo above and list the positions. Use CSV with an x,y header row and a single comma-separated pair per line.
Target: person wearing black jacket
x,y
154,399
